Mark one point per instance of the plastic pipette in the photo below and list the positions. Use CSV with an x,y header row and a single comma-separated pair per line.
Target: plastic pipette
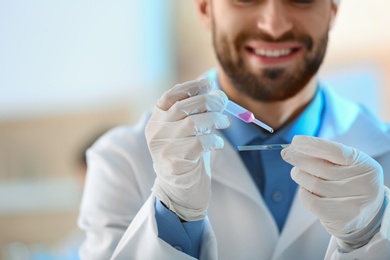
x,y
262,147
245,115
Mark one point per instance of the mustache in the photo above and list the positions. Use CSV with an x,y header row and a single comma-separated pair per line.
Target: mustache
x,y
305,40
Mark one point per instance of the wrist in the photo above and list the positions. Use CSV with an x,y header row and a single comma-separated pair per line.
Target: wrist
x,y
181,220
183,213
350,242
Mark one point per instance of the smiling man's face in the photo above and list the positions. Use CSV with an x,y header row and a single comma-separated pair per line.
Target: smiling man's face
x,y
270,49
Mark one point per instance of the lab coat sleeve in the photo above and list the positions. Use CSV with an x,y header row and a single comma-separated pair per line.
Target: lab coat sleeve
x,y
141,241
116,212
377,249
118,182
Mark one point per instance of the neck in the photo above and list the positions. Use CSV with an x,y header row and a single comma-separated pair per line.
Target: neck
x,y
275,114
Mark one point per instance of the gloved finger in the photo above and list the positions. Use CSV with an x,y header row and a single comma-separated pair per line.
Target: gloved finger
x,y
336,153
214,101
337,211
303,161
183,91
317,167
185,151
327,170
190,126
329,188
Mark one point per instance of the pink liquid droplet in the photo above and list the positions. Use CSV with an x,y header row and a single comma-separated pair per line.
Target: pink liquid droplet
x,y
247,116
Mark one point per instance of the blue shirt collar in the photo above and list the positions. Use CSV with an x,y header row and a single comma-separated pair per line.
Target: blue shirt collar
x,y
308,123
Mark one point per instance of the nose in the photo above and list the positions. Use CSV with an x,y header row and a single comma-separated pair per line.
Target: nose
x,y
274,19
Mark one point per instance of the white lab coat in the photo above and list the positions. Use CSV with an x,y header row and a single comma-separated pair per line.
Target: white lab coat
x,y
117,210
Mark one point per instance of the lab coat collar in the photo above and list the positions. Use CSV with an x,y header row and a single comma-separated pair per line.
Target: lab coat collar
x,y
230,170
308,123
353,125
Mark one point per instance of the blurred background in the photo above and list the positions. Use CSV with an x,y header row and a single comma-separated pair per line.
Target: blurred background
x,y
70,70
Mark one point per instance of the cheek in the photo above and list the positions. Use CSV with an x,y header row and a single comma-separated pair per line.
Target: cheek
x,y
232,22
315,30
317,22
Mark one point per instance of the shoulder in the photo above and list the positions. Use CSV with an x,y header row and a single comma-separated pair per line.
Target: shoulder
x,y
124,135
125,142
350,123
122,156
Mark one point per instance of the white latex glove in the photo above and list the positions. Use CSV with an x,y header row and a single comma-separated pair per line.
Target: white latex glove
x,y
179,140
342,186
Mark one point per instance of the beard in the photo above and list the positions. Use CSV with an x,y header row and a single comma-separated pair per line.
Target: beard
x,y
273,84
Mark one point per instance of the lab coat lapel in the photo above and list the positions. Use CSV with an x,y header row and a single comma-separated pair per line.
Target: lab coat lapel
x,y
228,169
298,221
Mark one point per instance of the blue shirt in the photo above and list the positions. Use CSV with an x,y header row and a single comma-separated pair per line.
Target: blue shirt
x,y
268,170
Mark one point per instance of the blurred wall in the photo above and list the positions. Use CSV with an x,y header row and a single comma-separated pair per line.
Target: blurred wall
x,y
61,57
194,53
360,43
69,70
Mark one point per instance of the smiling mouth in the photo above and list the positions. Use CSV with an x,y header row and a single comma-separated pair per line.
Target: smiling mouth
x,y
277,53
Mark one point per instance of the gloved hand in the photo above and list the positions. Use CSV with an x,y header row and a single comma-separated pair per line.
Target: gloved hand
x,y
342,186
179,139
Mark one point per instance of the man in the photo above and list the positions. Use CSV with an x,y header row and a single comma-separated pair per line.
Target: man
x,y
210,201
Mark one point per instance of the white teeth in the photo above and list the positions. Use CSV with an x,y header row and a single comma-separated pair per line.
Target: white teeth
x,y
272,53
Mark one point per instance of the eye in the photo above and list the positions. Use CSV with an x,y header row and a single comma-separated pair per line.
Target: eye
x,y
303,1
245,1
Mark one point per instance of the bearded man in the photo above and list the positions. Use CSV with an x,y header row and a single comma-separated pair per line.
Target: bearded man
x,y
176,187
